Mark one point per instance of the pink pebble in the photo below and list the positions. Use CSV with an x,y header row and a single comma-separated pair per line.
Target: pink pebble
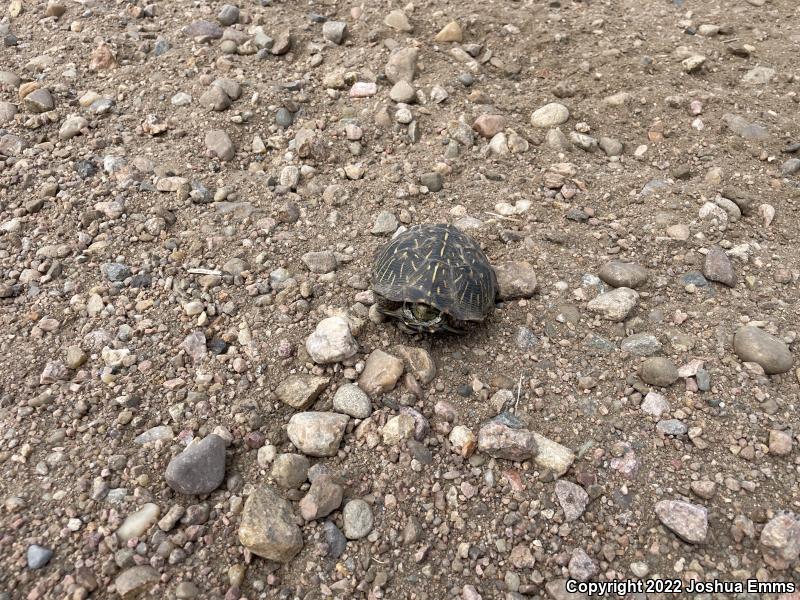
x,y
363,89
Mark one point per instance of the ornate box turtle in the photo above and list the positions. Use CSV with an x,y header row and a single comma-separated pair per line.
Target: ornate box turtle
x,y
434,278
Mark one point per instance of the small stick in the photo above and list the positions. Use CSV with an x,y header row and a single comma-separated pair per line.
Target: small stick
x,y
204,272
731,40
502,217
519,389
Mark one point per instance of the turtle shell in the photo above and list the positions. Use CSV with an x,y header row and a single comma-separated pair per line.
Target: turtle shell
x,y
440,266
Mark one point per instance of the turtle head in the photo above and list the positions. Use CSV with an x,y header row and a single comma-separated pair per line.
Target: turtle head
x,y
425,313
418,317
424,318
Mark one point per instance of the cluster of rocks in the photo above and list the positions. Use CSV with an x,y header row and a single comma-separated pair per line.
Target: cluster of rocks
x,y
219,95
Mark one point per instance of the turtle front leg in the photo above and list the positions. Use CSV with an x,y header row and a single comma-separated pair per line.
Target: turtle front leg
x,y
450,329
401,325
390,309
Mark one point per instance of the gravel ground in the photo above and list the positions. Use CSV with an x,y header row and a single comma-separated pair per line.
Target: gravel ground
x,y
199,399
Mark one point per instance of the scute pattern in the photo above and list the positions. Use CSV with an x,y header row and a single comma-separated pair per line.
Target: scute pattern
x,y
440,266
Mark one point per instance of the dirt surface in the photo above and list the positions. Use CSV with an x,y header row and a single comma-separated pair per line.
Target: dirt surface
x,y
165,171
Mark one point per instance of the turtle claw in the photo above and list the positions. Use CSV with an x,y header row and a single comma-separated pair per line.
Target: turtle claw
x,y
406,329
450,329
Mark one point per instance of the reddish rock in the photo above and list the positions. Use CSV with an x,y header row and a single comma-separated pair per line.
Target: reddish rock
x,y
103,58
489,125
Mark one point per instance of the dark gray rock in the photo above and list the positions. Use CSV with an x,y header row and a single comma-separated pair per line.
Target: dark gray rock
x,y
335,540
228,14
525,339
283,117
420,452
161,46
596,344
641,344
116,272
718,267
703,380
203,31
433,181
694,278
199,469
790,167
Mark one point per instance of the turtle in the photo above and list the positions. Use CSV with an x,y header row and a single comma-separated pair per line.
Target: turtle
x,y
433,278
